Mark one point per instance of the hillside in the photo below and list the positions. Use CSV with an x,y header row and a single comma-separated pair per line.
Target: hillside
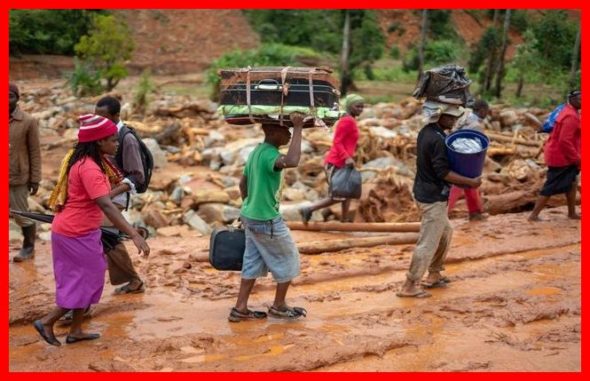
x,y
176,41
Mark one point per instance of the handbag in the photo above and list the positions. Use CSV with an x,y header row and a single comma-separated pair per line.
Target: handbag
x,y
226,248
346,182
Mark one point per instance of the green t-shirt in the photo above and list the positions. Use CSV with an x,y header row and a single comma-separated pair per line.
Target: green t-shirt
x,y
264,184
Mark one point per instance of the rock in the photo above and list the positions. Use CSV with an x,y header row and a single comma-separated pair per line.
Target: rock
x,y
187,265
160,160
177,195
34,206
209,196
44,236
154,218
292,194
196,222
508,118
14,232
382,132
218,213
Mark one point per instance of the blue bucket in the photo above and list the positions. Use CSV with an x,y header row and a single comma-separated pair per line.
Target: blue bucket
x,y
467,164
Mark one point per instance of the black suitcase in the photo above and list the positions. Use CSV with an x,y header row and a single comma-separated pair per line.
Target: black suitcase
x,y
226,248
271,92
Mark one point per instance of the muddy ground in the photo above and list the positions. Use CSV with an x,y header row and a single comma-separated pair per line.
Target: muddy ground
x,y
513,305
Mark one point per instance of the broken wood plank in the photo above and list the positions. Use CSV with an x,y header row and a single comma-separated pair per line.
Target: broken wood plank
x,y
509,139
318,247
376,227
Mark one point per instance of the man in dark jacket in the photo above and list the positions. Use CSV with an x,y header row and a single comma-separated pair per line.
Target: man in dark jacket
x,y
25,168
121,268
431,192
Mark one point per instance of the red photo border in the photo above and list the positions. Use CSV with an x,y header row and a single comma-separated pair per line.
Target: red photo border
x,y
5,7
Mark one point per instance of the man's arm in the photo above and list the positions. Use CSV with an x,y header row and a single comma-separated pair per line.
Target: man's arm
x,y
291,160
34,149
244,187
132,165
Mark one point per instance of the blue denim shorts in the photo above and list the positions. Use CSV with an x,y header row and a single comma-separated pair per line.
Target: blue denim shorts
x,y
269,246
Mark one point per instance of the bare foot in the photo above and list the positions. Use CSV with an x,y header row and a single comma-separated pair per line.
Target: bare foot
x,y
535,218
574,216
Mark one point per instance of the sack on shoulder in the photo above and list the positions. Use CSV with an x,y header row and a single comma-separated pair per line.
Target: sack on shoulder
x,y
346,182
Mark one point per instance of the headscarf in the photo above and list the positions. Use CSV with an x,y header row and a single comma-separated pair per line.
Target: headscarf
x,y
432,111
92,127
351,99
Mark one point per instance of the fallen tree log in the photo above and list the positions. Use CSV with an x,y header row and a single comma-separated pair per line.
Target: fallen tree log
x,y
376,227
509,139
318,247
519,201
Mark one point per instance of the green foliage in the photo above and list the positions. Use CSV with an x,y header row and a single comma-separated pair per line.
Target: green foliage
x,y
267,55
48,31
316,29
526,62
519,20
488,44
440,25
555,36
106,49
144,88
84,81
391,73
394,52
435,53
321,30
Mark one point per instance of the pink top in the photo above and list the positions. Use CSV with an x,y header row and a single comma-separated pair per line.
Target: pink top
x,y
563,146
81,214
345,139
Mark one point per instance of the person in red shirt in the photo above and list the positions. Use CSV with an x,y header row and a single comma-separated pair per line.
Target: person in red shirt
x,y
83,193
562,156
340,154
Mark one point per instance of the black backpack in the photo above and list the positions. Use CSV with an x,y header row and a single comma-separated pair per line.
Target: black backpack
x,y
147,160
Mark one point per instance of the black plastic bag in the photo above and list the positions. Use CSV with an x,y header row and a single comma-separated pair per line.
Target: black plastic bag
x,y
346,182
444,83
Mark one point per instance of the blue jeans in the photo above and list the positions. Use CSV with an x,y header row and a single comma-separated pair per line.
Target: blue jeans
x,y
269,246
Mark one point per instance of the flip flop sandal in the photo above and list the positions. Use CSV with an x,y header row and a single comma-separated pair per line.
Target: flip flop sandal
x,y
50,340
287,313
88,336
438,284
236,316
126,290
420,294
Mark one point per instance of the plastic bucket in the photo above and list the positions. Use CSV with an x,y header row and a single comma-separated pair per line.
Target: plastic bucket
x,y
467,164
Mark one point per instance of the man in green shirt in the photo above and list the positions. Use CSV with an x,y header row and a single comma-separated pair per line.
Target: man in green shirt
x,y
269,245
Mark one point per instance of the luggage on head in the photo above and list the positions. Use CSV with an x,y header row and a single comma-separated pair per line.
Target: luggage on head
x,y
270,94
444,84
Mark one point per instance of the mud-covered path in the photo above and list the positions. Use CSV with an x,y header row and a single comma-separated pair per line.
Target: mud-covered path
x,y
513,304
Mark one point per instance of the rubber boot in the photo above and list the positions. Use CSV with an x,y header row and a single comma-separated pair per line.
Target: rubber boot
x,y
28,249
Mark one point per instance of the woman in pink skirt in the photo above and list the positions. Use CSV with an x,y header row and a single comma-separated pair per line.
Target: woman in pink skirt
x,y
82,195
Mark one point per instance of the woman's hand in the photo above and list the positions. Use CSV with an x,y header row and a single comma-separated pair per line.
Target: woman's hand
x,y
141,245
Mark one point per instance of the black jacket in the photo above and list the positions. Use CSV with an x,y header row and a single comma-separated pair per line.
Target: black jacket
x,y
432,166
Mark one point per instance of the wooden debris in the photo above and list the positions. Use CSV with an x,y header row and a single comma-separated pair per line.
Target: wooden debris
x,y
318,247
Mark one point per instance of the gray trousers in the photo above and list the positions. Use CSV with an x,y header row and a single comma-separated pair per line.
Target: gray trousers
x,y
433,242
18,201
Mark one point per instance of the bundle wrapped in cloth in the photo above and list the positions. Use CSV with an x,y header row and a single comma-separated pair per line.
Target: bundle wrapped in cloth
x,y
270,94
445,84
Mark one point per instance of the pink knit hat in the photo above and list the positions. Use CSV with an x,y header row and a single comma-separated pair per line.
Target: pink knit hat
x,y
95,127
